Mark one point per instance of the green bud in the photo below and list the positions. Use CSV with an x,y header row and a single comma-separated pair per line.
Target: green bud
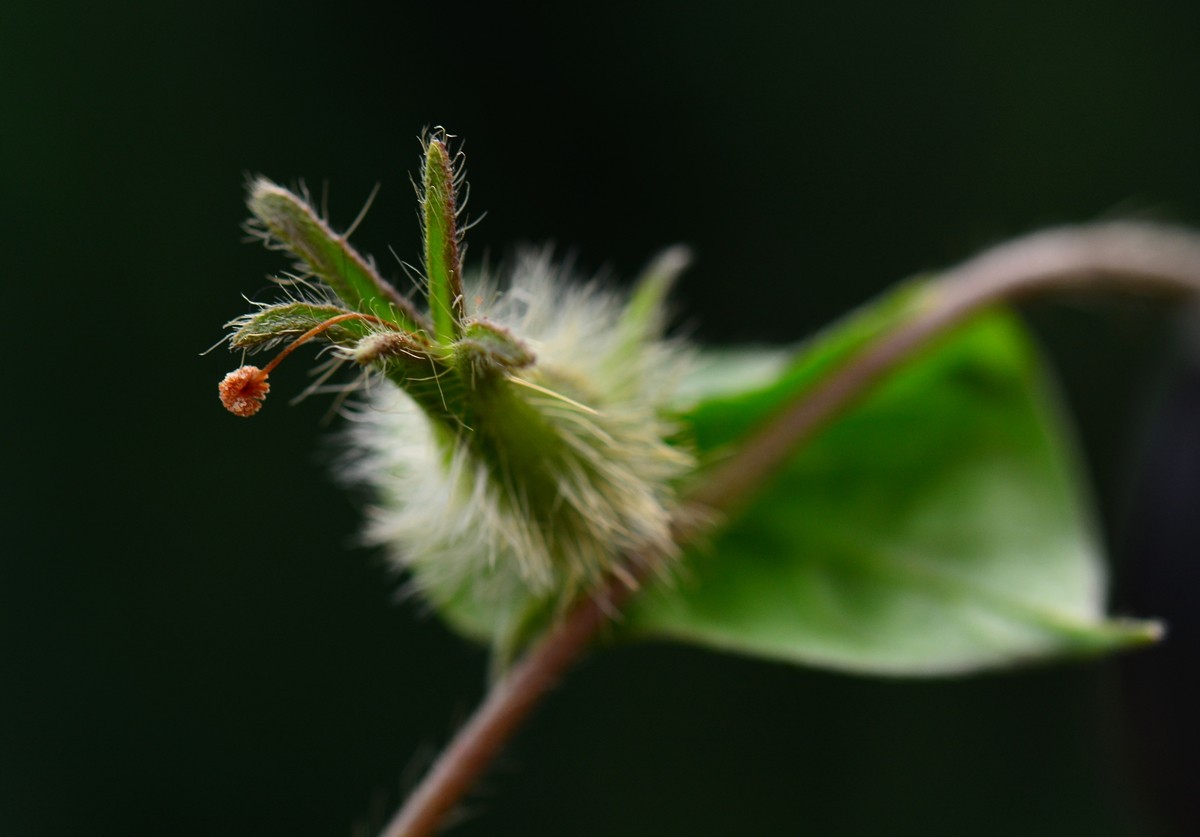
x,y
530,455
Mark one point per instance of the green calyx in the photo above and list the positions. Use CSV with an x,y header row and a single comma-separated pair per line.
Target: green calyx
x,y
523,479
448,363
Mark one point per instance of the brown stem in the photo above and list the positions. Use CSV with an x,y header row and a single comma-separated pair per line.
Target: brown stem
x,y
1137,258
499,716
1121,256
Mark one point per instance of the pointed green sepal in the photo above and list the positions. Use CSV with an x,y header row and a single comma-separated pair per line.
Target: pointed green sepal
x,y
290,223
443,268
645,315
274,323
487,347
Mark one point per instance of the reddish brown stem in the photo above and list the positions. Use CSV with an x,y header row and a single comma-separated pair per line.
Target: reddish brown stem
x,y
498,717
313,332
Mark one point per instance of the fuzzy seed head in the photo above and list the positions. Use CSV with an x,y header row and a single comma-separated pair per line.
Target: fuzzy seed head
x,y
546,502
243,390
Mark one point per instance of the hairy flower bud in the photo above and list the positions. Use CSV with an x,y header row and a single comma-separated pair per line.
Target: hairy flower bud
x,y
563,472
525,452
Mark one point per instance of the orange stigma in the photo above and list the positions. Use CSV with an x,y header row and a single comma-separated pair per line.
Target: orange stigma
x,y
243,390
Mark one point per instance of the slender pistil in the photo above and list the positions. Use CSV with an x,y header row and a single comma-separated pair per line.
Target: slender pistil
x,y
244,389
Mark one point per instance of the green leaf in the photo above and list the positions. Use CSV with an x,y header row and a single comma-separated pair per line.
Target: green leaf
x,y
936,528
732,390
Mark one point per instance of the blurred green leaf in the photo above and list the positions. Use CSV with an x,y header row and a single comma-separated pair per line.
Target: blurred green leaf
x,y
937,527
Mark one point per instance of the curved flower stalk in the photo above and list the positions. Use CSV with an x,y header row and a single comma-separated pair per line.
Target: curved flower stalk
x,y
524,448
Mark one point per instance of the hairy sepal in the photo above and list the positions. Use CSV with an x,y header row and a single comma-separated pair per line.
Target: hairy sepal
x,y
272,324
285,220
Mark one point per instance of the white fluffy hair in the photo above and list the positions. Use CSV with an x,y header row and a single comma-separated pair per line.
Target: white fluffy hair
x,y
601,383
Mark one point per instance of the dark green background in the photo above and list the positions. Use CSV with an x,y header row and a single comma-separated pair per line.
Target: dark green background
x,y
189,642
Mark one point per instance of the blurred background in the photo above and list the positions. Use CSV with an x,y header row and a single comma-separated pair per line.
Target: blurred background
x,y
190,642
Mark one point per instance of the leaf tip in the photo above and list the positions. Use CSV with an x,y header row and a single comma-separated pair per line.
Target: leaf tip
x,y
1141,632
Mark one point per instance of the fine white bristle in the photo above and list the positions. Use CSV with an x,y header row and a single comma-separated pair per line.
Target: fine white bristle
x,y
442,513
